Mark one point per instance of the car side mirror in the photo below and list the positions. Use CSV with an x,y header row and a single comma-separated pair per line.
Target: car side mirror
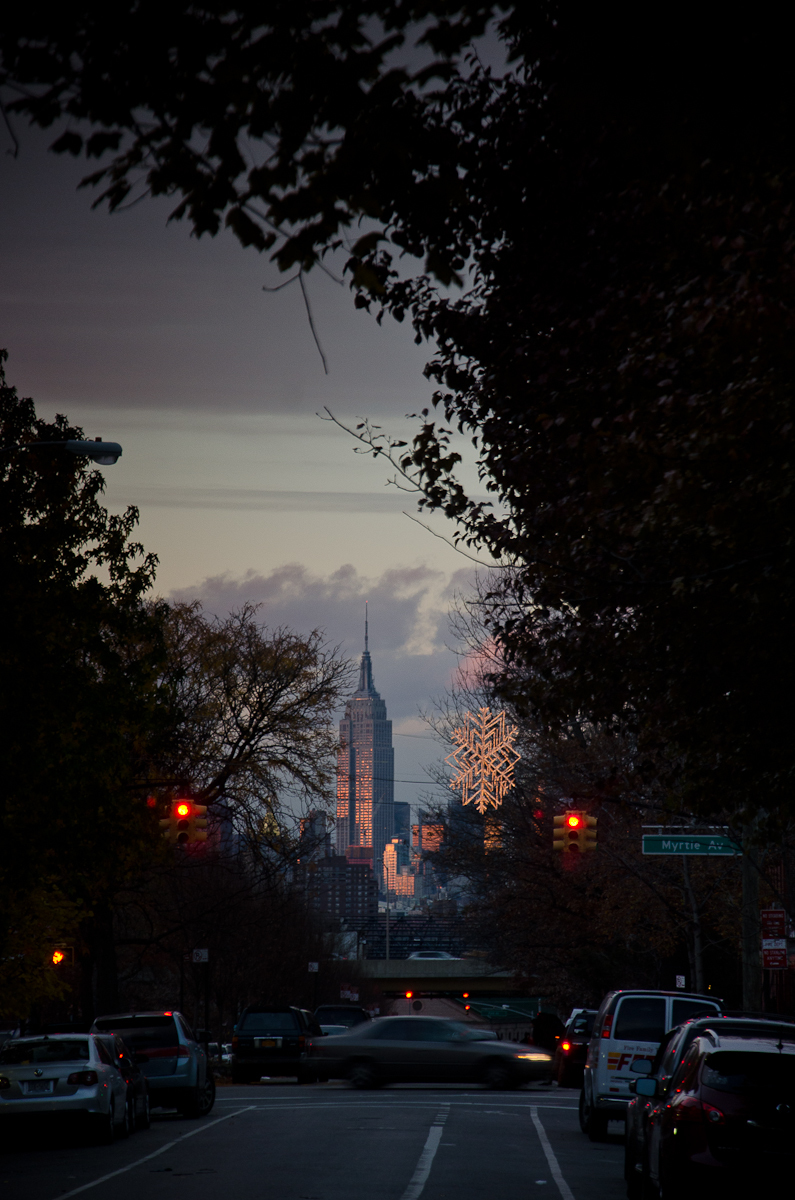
x,y
641,1066
646,1087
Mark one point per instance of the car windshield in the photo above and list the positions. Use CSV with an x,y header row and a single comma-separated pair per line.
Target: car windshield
x,y
741,1071
583,1024
45,1051
268,1022
143,1033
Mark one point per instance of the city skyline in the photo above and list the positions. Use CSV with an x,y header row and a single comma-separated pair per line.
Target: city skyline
x,y
365,772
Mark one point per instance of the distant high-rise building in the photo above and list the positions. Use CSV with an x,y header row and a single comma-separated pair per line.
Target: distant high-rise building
x,y
365,773
402,820
399,879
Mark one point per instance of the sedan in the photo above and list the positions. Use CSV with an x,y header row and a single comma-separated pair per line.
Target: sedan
x,y
426,1050
64,1074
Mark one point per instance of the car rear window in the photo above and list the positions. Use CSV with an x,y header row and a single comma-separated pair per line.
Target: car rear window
x,y
268,1022
143,1033
583,1024
683,1010
21,1053
640,1019
741,1071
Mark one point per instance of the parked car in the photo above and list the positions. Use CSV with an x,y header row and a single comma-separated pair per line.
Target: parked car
x,y
138,1101
629,1026
728,1117
572,1048
341,1014
174,1063
64,1075
670,1055
433,954
429,1050
333,1030
273,1041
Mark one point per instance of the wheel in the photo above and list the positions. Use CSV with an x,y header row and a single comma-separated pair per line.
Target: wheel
x,y
363,1075
144,1118
201,1099
499,1077
105,1127
592,1122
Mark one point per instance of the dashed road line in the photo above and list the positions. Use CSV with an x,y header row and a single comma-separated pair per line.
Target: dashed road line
x,y
554,1165
423,1169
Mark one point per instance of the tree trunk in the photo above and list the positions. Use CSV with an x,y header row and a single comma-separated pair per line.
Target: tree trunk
x,y
751,934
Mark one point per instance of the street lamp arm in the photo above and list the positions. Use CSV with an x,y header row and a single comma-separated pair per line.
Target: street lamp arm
x,y
104,453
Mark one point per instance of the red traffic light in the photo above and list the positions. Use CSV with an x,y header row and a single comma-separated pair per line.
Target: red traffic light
x,y
57,957
409,995
183,809
573,821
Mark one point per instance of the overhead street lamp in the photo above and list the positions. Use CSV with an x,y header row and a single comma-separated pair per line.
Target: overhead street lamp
x,y
104,453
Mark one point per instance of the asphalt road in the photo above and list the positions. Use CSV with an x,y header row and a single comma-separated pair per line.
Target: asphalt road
x,y
328,1142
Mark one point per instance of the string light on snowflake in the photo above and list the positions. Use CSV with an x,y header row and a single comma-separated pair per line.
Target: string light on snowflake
x,y
485,758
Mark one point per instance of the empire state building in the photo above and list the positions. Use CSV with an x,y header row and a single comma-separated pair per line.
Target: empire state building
x,y
365,773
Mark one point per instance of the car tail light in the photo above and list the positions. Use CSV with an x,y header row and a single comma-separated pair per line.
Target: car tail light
x,y
565,1047
82,1078
607,1025
713,1114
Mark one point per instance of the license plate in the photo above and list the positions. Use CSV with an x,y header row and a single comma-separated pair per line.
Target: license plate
x,y
35,1087
261,1043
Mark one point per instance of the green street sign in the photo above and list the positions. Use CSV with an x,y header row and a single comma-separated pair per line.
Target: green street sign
x,y
699,843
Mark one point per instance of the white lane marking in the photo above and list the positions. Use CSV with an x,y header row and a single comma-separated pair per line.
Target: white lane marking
x,y
168,1146
554,1166
423,1169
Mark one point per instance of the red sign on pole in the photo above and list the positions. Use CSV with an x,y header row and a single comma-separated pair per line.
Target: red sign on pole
x,y
774,921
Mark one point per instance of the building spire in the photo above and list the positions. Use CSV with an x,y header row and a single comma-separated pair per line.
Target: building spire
x,y
366,631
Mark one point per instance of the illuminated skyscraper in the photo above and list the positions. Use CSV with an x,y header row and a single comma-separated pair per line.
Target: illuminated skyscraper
x,y
365,773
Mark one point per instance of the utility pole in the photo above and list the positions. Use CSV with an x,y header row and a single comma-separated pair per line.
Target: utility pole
x,y
751,929
387,927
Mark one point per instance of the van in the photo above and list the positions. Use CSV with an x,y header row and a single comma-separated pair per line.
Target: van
x,y
629,1025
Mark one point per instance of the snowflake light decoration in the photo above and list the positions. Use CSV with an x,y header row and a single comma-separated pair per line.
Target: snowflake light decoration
x,y
485,758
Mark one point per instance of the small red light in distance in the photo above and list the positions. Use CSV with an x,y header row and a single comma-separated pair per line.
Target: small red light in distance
x,y
58,956
573,821
409,995
566,1046
168,1014
466,995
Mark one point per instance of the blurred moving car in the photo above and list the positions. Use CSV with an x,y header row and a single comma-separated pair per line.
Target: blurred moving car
x,y
341,1014
644,1104
273,1041
64,1074
727,1117
572,1048
628,1027
426,1050
138,1102
174,1063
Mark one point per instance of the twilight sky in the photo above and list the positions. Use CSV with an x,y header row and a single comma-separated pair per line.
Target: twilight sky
x,y
169,345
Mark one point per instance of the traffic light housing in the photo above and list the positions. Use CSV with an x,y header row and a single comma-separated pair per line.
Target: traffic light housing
x,y
62,956
186,823
574,832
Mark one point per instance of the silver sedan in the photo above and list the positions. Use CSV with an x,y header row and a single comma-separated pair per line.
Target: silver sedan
x,y
425,1050
64,1074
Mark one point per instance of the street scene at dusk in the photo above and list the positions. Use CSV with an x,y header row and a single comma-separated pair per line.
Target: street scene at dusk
x,y
396,509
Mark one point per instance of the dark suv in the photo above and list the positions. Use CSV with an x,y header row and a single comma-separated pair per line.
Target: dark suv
x,y
572,1049
273,1041
671,1091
